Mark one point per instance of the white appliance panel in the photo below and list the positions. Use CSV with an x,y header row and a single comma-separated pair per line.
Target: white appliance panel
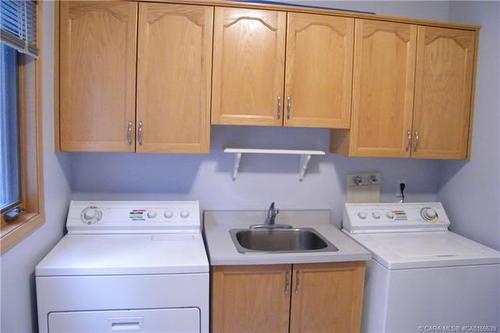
x,y
94,293
126,260
92,254
423,277
186,320
394,217
122,292
113,217
425,249
415,299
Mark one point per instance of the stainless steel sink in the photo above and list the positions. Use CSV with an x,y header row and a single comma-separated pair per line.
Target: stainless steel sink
x,y
280,240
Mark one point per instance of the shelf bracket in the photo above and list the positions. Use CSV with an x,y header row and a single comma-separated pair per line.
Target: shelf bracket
x,y
236,167
305,157
304,163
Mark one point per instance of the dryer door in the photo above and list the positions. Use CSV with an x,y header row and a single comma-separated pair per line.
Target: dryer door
x,y
149,320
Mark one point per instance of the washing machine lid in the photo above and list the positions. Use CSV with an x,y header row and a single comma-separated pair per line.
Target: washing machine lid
x,y
123,254
426,249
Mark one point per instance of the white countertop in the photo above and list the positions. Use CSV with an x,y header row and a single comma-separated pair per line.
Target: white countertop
x,y
222,251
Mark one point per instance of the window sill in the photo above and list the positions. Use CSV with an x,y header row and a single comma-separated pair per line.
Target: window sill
x,y
13,232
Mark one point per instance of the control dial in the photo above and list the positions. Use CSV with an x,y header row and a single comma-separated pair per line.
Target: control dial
x,y
168,214
428,214
184,214
91,215
376,215
151,214
389,215
362,215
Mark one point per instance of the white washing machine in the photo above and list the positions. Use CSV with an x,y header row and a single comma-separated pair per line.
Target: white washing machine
x,y
127,267
423,278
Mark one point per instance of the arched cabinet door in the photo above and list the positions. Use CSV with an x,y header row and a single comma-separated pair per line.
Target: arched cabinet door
x,y
319,55
383,86
173,78
97,75
248,71
443,93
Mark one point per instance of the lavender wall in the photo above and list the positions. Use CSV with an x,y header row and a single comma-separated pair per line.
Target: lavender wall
x,y
262,178
470,190
18,314
429,10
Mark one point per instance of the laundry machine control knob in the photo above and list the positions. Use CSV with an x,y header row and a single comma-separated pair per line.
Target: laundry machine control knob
x,y
362,215
376,215
151,214
389,215
428,213
184,214
91,215
168,214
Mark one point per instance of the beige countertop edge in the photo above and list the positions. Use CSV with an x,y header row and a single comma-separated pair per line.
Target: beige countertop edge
x,y
222,251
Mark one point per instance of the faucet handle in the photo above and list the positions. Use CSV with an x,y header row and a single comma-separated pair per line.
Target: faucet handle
x,y
272,210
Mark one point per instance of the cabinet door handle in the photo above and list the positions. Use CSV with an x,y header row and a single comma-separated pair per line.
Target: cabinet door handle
x,y
297,285
408,137
417,141
288,107
140,133
278,107
287,282
129,133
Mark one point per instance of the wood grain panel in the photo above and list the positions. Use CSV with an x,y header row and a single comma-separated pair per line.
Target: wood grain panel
x,y
384,68
327,297
318,80
173,77
97,74
443,92
315,10
248,71
250,299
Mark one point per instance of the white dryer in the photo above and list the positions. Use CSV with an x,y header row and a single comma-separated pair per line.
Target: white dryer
x,y
423,278
128,267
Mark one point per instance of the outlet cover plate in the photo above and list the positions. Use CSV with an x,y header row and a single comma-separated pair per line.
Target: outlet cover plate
x,y
364,187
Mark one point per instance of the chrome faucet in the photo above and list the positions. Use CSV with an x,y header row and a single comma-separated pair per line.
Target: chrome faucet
x,y
271,215
272,212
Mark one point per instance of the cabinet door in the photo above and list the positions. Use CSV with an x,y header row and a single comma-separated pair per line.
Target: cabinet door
x,y
97,75
173,78
327,297
248,73
384,68
251,298
443,92
318,82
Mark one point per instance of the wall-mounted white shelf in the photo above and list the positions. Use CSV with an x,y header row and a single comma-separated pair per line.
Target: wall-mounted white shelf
x,y
305,157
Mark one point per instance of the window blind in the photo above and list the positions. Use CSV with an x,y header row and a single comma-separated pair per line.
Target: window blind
x,y
18,25
10,167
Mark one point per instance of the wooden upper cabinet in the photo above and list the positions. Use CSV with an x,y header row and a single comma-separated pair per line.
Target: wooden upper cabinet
x,y
327,297
384,67
319,55
251,299
97,75
173,78
248,70
443,92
